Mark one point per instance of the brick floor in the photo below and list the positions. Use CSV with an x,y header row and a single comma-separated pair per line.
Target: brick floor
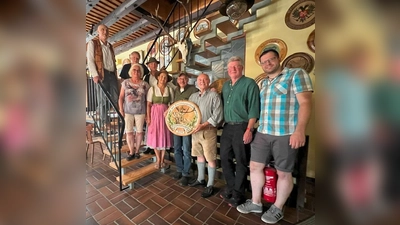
x,y
158,199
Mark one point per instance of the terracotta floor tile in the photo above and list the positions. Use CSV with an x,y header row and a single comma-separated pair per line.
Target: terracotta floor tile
x,y
212,221
174,215
195,209
131,202
91,193
103,203
142,199
222,218
110,218
93,198
101,183
160,201
189,192
188,201
166,210
152,205
223,208
180,204
119,198
123,207
123,220
155,219
105,191
172,195
179,222
233,213
207,203
190,219
159,185
105,213
136,211
146,222
165,192
204,214
93,208
153,189
245,220
144,215
91,221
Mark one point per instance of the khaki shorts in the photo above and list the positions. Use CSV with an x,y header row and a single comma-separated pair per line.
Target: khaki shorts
x,y
204,143
132,121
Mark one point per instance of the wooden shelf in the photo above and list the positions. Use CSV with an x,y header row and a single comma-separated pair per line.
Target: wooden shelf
x,y
207,54
227,27
216,41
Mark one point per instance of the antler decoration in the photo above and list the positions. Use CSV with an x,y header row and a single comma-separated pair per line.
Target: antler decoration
x,y
184,45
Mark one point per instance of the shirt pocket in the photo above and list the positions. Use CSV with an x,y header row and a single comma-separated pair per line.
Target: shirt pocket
x,y
280,88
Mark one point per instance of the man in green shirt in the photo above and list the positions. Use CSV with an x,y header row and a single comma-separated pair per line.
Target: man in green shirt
x,y
241,102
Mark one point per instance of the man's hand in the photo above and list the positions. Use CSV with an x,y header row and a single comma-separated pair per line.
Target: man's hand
x,y
297,140
96,79
247,136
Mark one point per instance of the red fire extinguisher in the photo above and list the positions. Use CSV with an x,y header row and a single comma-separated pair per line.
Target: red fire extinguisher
x,y
271,177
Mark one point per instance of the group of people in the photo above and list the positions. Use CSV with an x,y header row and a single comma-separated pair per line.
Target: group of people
x,y
282,106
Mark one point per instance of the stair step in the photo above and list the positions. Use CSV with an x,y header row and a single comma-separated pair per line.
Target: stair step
x,y
216,41
227,27
199,66
207,54
137,174
124,148
125,163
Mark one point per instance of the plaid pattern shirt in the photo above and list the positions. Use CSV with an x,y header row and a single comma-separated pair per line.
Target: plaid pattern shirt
x,y
279,105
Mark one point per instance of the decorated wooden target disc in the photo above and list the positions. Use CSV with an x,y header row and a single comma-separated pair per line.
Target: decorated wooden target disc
x,y
183,117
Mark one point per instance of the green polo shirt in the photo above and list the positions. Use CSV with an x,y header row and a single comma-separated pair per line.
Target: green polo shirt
x,y
241,101
188,90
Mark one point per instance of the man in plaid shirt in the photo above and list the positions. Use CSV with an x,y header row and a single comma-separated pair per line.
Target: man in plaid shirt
x,y
285,109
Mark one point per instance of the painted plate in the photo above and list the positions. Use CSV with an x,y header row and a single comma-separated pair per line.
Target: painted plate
x,y
299,60
301,14
154,50
311,41
183,117
218,84
274,43
165,42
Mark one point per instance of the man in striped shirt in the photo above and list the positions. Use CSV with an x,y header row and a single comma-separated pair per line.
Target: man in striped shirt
x,y
285,109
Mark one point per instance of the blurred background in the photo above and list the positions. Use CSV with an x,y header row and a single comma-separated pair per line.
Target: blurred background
x,y
42,81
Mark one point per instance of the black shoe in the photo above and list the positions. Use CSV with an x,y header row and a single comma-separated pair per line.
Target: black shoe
x,y
225,195
235,201
137,155
207,192
152,152
177,175
130,157
184,181
147,151
195,182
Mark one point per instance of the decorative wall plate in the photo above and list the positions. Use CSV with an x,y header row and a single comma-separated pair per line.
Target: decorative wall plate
x,y
299,60
180,34
202,27
165,42
154,50
183,117
311,41
301,14
274,43
260,78
218,84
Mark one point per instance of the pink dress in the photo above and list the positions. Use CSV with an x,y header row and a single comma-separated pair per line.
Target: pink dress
x,y
158,135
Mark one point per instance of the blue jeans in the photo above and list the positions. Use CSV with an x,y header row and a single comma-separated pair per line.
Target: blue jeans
x,y
182,152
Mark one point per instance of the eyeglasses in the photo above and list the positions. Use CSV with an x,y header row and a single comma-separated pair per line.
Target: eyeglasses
x,y
133,70
268,60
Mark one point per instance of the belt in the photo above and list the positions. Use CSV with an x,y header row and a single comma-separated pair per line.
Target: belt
x,y
235,123
107,71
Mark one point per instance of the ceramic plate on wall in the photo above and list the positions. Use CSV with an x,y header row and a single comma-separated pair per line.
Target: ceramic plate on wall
x,y
301,14
218,84
166,45
183,117
311,41
299,60
274,43
154,50
260,78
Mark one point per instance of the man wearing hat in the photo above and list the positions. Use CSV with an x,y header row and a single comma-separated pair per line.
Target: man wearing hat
x,y
285,97
151,76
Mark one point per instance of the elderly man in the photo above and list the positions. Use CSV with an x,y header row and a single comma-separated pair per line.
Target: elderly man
x,y
101,62
134,59
285,110
204,138
241,98
183,144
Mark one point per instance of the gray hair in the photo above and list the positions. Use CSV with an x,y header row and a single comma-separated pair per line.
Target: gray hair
x,y
140,68
236,58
